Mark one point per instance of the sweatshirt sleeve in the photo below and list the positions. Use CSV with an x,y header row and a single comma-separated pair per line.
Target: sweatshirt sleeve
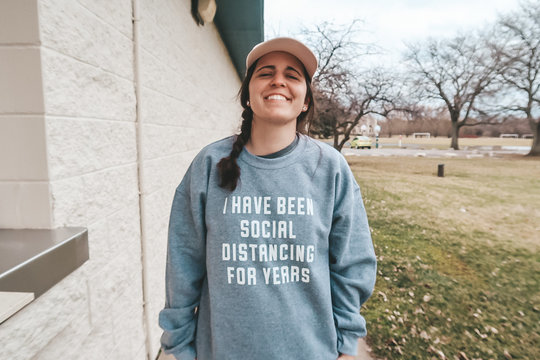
x,y
352,262
185,270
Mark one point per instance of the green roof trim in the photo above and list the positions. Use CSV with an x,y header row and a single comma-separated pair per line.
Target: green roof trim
x,y
241,25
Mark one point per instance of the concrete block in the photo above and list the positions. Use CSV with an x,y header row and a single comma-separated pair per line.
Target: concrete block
x,y
100,252
141,354
110,286
126,307
162,109
75,88
155,75
35,326
124,230
68,342
99,343
23,153
73,30
21,88
68,202
19,22
128,325
25,205
158,172
85,199
157,211
109,190
77,146
163,141
117,14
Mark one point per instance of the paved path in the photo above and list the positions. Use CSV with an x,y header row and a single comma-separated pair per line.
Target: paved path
x,y
364,352
437,153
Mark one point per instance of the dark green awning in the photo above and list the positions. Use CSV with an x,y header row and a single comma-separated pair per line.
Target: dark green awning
x,y
241,25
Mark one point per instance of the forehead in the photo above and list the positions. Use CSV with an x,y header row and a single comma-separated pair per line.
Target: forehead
x,y
280,59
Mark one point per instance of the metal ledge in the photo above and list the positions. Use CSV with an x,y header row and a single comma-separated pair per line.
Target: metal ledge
x,y
33,261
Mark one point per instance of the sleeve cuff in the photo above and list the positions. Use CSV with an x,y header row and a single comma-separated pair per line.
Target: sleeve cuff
x,y
348,344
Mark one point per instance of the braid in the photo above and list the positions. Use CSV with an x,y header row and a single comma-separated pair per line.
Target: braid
x,y
229,171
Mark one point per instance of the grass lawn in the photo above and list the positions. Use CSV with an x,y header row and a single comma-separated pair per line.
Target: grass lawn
x,y
459,257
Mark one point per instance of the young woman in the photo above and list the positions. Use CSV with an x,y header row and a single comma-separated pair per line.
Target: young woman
x,y
269,255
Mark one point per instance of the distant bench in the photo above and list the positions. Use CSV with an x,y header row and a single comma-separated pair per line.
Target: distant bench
x,y
515,136
420,135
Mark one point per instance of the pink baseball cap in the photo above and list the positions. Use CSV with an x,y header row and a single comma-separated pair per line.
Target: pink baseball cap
x,y
288,45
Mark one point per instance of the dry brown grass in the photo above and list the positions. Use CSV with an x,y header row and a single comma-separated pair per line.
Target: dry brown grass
x,y
496,196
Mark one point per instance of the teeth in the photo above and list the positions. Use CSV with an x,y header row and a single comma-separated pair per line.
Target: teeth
x,y
277,97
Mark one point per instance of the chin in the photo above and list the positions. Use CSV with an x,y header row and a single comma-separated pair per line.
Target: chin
x,y
279,118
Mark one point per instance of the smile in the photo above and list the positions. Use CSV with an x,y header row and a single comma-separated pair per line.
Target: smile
x,y
276,97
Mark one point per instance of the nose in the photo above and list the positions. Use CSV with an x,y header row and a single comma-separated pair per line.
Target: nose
x,y
278,80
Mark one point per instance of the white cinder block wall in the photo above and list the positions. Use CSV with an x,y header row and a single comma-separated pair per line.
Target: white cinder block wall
x,y
187,99
102,153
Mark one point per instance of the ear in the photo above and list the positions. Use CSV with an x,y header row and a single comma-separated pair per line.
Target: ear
x,y
306,105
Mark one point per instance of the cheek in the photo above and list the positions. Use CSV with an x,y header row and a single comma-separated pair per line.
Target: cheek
x,y
301,94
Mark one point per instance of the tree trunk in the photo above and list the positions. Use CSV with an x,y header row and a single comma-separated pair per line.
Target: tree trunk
x,y
535,148
455,135
336,134
346,137
339,146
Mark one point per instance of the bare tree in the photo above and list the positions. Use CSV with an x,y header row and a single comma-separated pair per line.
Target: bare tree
x,y
344,93
519,44
458,72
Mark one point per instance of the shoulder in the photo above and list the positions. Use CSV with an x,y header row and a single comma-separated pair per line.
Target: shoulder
x,y
214,152
331,162
206,160
219,148
326,153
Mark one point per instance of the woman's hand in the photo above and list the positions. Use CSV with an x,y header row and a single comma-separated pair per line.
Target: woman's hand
x,y
345,357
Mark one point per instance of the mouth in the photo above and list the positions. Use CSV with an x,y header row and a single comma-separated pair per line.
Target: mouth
x,y
277,97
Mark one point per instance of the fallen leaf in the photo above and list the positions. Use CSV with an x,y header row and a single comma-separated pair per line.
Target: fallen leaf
x,y
482,336
436,351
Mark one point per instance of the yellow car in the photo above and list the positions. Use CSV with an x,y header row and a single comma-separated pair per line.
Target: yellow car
x,y
361,142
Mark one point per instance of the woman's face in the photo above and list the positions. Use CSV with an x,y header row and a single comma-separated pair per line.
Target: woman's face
x,y
277,89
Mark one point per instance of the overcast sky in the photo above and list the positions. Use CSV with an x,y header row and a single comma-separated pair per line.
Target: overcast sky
x,y
387,23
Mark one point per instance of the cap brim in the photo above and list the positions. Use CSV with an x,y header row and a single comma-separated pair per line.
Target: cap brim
x,y
289,45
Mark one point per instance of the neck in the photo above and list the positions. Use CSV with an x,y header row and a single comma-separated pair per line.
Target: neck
x,y
268,138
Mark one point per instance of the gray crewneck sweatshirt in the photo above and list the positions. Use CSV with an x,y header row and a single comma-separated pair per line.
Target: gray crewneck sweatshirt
x,y
277,269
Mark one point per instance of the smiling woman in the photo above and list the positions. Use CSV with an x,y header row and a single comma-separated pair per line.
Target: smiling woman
x,y
277,93
268,236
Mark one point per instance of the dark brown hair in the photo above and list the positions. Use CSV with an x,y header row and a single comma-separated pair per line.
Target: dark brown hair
x,y
229,171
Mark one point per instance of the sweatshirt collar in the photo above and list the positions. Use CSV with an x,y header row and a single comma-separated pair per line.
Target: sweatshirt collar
x,y
278,162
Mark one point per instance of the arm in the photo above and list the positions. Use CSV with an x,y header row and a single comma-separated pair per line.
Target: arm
x,y
185,270
352,263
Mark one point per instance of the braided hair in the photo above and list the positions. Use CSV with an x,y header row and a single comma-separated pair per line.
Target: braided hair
x,y
229,171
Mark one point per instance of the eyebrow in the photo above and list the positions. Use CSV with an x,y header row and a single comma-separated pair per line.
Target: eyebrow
x,y
272,67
